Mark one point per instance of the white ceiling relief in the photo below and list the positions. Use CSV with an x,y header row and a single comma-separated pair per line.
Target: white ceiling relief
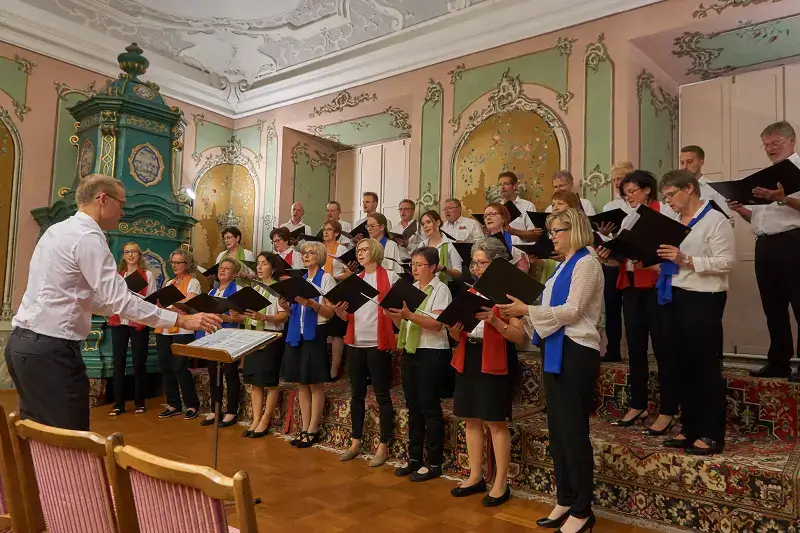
x,y
232,55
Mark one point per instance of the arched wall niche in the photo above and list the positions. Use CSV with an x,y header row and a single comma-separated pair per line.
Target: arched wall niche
x,y
10,174
508,131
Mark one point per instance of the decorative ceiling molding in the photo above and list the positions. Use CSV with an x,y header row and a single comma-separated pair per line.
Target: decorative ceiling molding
x,y
341,101
721,5
322,159
240,62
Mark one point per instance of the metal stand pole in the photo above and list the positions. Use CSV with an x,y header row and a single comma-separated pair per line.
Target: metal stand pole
x,y
217,409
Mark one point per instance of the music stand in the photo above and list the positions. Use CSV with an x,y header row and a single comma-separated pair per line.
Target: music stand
x,y
239,342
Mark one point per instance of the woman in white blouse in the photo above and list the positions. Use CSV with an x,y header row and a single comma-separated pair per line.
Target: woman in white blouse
x,y
122,331
487,368
370,341
280,243
567,322
305,358
178,381
331,232
449,264
377,228
496,218
695,283
426,364
262,368
232,237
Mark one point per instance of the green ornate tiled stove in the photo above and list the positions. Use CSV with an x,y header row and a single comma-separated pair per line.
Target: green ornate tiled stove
x,y
128,131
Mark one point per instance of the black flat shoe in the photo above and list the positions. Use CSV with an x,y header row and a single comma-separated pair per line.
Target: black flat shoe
x,y
650,432
587,526
410,468
259,434
208,421
295,441
191,414
310,439
678,443
229,423
771,371
247,433
477,488
168,413
432,473
553,523
713,447
491,501
643,414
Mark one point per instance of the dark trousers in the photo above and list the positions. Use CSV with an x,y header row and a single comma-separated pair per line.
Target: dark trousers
x,y
643,321
613,304
175,369
694,320
570,403
777,264
377,365
50,378
230,371
120,335
424,374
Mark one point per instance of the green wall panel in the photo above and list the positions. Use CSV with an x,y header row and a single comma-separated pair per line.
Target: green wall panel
x,y
209,135
658,121
65,153
598,122
431,147
250,137
270,186
312,181
389,125
14,79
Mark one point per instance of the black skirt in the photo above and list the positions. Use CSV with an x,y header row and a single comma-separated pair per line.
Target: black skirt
x,y
336,327
486,397
262,368
307,363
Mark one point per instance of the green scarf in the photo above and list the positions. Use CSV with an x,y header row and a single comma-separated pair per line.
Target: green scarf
x,y
251,323
411,343
443,255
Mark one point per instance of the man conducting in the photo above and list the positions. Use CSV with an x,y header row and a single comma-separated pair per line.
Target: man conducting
x,y
73,275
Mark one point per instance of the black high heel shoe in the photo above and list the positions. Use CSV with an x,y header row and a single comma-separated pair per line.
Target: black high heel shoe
x,y
310,439
659,432
298,439
643,414
587,526
553,523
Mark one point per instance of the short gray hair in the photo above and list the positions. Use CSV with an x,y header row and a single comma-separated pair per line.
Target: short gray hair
x,y
236,265
492,247
782,128
453,201
566,174
322,252
188,256
680,179
94,184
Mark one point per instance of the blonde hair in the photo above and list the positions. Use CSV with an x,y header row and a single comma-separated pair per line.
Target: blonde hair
x,y
142,265
94,184
322,252
627,166
581,234
236,266
188,256
375,250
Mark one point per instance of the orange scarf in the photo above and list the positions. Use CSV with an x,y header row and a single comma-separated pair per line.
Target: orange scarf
x,y
643,278
331,248
115,320
386,340
494,352
183,286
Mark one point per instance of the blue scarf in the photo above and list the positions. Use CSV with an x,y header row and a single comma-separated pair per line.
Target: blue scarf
x,y
669,269
507,237
230,289
554,344
383,241
293,336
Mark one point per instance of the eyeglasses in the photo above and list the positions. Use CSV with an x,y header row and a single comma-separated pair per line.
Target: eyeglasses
x,y
177,263
362,250
405,208
774,144
130,252
554,232
308,253
373,226
121,202
671,194
276,241
479,263
490,214
630,192
420,265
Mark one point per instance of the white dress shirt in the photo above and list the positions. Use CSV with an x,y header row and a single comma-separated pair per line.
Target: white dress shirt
x,y
580,315
193,288
464,229
294,227
365,318
414,241
151,288
439,299
523,222
616,203
72,275
712,246
588,207
772,218
297,257
391,257
453,260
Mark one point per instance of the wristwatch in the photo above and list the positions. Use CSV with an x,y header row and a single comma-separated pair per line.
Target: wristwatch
x,y
782,202
686,260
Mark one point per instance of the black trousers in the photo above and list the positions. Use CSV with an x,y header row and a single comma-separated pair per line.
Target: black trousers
x,y
424,373
569,405
643,321
777,264
694,320
120,335
613,304
50,378
175,369
230,371
377,365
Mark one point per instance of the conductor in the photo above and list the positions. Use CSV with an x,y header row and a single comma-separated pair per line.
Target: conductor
x,y
73,275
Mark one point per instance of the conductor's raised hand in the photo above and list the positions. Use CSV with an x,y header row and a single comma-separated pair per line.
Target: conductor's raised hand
x,y
516,308
207,322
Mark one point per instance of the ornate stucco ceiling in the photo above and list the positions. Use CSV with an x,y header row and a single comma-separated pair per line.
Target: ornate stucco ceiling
x,y
230,54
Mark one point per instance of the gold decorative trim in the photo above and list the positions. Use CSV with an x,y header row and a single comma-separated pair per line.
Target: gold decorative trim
x,y
661,100
322,159
456,73
435,93
564,45
147,226
63,191
24,65
96,336
597,53
136,172
85,159
342,101
145,124
596,180
318,130
62,90
400,120
272,132
108,154
20,110
563,100
88,122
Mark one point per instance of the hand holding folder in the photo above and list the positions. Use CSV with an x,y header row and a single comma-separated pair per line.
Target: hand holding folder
x,y
502,278
354,291
641,241
785,173
166,296
463,309
403,292
135,281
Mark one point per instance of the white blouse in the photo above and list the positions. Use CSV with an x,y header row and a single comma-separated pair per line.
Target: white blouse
x,y
580,315
272,309
297,257
366,316
326,284
391,251
453,260
439,299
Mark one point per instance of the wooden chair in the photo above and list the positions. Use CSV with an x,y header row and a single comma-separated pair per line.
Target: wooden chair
x,y
11,515
63,477
173,497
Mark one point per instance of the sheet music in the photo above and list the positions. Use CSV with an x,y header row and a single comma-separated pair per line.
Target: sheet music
x,y
237,342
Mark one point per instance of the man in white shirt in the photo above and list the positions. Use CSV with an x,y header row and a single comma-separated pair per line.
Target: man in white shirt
x,y
333,213
522,226
692,158
464,229
564,181
777,254
369,204
296,222
618,172
72,275
406,210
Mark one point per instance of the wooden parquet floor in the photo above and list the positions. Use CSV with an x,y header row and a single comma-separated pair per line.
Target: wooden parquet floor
x,y
310,491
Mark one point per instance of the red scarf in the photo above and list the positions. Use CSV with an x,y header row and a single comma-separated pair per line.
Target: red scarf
x,y
115,320
494,355
643,278
386,340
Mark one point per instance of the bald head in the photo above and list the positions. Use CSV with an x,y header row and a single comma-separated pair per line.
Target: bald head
x,y
297,212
